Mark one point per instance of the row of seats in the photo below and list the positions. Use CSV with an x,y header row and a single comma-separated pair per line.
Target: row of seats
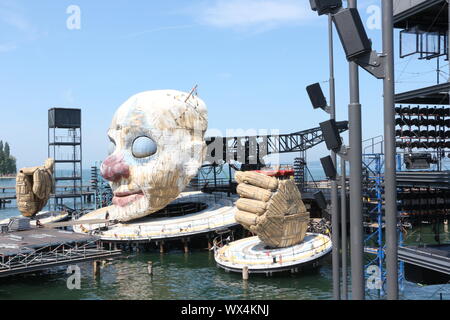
x,y
418,122
442,194
425,111
423,206
441,134
422,145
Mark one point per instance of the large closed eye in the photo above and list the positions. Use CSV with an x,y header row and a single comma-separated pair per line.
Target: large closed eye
x,y
143,147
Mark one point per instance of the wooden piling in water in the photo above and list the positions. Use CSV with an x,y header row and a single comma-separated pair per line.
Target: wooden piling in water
x,y
96,267
161,247
186,247
208,237
150,267
245,273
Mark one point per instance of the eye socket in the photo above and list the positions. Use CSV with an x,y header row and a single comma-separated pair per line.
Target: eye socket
x,y
111,147
143,147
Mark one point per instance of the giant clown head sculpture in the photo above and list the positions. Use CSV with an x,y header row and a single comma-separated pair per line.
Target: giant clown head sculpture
x,y
157,147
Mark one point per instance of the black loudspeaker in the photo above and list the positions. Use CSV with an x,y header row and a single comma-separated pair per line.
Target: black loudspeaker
x,y
64,118
316,96
331,135
328,167
320,199
352,33
325,6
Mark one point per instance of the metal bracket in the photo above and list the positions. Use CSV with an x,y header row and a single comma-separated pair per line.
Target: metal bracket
x,y
343,153
373,63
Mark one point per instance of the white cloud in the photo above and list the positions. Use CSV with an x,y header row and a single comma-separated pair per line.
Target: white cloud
x,y
18,26
68,97
12,15
164,28
16,21
7,47
254,14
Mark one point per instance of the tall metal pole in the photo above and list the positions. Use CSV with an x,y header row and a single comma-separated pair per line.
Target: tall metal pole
x,y
334,186
344,228
390,182
355,159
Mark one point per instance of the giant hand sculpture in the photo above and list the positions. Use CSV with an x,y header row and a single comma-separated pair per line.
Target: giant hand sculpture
x,y
271,209
33,188
157,140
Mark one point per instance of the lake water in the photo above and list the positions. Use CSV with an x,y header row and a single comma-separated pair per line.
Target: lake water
x,y
190,276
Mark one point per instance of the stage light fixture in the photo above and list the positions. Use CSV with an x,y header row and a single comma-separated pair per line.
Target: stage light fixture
x,y
325,6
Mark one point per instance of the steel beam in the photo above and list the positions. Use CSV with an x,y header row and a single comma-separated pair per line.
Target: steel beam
x,y
355,159
390,182
334,185
344,228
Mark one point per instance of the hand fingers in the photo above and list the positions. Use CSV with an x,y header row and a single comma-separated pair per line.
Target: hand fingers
x,y
38,185
49,184
246,218
41,184
49,164
251,192
26,201
257,179
252,206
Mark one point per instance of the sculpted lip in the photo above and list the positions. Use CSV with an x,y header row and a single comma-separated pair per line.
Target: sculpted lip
x,y
123,199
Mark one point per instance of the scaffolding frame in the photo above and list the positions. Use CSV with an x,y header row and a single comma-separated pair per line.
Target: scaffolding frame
x,y
374,241
65,147
103,192
52,256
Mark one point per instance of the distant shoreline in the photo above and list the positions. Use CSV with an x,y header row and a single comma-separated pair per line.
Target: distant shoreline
x,y
7,177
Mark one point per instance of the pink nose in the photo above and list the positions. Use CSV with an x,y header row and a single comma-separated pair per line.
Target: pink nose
x,y
114,168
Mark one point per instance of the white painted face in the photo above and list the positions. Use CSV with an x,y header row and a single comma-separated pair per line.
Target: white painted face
x,y
157,147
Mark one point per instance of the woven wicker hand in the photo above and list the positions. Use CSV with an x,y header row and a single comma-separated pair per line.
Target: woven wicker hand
x,y
272,209
33,188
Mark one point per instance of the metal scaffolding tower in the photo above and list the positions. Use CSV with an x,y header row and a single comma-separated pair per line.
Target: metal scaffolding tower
x,y
375,239
65,147
103,192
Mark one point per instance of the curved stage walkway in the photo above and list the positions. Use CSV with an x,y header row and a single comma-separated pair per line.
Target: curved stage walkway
x,y
219,214
251,253
44,217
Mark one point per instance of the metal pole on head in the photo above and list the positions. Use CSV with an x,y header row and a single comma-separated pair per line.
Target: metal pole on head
x,y
390,182
334,186
355,159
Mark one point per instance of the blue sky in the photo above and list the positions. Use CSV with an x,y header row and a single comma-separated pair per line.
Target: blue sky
x,y
251,59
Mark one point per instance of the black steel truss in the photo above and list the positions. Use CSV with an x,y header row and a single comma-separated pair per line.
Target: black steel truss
x,y
246,149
